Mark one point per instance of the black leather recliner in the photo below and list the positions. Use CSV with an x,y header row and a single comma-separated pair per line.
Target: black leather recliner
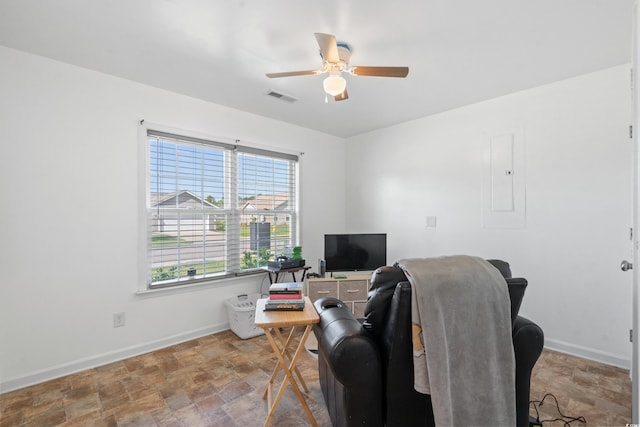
x,y
365,365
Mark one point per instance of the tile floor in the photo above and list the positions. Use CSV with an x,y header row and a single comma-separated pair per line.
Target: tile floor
x,y
218,380
599,393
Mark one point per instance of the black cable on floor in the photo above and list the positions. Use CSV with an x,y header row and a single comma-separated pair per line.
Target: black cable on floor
x,y
567,420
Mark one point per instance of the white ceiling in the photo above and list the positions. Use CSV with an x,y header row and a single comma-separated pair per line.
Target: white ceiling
x,y
458,51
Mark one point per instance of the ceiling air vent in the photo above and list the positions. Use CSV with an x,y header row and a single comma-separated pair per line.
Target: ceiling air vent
x,y
281,96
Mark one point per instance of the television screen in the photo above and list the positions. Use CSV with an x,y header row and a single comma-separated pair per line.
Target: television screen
x,y
354,252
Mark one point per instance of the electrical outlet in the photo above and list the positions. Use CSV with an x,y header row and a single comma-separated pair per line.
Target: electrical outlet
x,y
118,319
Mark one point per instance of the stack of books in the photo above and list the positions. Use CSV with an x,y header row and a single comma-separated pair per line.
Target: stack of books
x,y
285,296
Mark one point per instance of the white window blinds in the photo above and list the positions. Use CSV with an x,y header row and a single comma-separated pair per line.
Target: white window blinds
x,y
216,209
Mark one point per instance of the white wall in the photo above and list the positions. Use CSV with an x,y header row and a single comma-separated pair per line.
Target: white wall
x,y
68,185
578,201
69,221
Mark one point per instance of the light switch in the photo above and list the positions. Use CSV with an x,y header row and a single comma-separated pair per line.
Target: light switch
x,y
431,222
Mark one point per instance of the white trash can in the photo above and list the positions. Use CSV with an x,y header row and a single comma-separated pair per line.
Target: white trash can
x,y
241,310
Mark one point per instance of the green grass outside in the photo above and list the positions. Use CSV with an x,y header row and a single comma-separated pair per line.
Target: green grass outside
x,y
170,273
160,239
278,230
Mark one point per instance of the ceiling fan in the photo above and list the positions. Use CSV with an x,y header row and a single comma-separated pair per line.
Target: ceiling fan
x,y
335,60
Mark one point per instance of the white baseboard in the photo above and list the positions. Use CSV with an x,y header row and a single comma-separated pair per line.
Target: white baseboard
x,y
588,353
106,358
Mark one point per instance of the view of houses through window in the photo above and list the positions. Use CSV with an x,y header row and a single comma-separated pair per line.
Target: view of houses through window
x,y
216,209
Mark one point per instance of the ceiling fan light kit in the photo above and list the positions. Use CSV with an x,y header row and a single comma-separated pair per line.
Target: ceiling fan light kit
x,y
334,85
335,60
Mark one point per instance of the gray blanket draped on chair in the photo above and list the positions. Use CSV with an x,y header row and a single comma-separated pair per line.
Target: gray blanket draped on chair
x,y
463,350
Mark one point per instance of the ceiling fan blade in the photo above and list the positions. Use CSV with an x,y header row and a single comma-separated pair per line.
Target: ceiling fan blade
x,y
294,73
380,71
343,96
328,47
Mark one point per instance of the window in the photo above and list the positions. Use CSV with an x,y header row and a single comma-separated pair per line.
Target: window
x,y
215,209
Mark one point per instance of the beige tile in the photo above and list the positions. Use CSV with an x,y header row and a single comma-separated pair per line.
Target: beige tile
x,y
80,407
218,380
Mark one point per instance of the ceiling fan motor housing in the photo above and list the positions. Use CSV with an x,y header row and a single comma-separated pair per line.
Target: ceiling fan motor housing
x,y
344,53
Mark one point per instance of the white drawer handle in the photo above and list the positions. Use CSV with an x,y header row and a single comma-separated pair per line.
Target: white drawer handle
x,y
353,291
322,292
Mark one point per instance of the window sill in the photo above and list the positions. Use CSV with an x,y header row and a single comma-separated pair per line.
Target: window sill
x,y
195,286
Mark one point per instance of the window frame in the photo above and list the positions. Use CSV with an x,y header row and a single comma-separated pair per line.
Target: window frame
x,y
233,211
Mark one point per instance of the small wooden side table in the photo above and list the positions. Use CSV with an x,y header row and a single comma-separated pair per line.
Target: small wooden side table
x,y
271,322
274,274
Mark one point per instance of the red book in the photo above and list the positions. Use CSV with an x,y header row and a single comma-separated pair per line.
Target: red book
x,y
292,296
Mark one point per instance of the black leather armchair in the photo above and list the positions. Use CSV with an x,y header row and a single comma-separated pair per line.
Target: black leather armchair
x,y
365,365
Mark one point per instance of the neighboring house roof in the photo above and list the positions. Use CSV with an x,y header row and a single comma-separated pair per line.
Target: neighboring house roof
x,y
186,199
180,199
269,202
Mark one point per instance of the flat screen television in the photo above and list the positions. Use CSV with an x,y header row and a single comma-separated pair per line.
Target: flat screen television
x,y
355,252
